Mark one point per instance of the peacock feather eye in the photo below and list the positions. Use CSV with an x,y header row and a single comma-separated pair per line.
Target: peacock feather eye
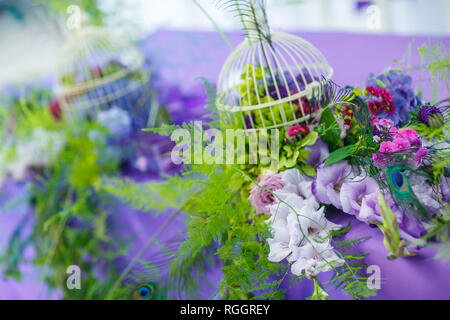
x,y
399,180
144,292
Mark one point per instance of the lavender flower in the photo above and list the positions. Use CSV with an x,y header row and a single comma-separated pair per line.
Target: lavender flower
x,y
296,223
327,187
353,193
319,153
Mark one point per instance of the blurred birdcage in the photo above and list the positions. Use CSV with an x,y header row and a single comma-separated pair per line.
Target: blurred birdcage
x,y
98,71
264,85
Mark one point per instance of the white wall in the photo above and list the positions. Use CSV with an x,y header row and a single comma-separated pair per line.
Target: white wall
x,y
395,16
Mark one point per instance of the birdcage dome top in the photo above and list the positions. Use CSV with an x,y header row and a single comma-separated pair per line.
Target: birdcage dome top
x,y
286,69
94,55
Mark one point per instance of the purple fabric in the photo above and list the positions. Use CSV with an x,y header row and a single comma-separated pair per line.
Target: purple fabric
x,y
13,208
179,59
418,277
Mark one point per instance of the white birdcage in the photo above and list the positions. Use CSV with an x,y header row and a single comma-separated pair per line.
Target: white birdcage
x,y
263,84
98,71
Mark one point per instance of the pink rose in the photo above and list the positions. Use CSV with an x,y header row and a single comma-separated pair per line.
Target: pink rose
x,y
261,198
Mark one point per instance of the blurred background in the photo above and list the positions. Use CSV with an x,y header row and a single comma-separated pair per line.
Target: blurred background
x,y
31,31
179,43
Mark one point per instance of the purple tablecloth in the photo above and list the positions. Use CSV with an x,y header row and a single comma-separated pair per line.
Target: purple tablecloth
x,y
180,58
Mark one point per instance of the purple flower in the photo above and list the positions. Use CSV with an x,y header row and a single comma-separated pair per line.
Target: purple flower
x,y
261,198
427,112
403,95
370,209
291,87
353,193
327,187
319,153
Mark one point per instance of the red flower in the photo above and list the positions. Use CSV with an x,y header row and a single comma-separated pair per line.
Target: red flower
x,y
55,109
302,129
384,101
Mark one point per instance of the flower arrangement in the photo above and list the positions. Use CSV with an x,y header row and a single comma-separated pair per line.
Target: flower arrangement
x,y
377,153
368,154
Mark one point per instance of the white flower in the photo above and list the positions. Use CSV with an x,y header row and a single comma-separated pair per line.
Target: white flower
x,y
280,243
295,222
295,183
315,258
308,223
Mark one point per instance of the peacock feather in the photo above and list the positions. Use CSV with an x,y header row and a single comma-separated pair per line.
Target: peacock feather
x,y
148,291
253,17
400,188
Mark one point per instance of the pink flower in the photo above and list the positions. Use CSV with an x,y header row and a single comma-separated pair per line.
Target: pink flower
x,y
292,131
261,198
385,123
411,135
393,130
374,121
379,160
400,144
302,129
55,109
422,152
387,147
408,133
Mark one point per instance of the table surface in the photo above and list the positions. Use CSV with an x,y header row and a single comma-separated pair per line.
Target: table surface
x,y
179,60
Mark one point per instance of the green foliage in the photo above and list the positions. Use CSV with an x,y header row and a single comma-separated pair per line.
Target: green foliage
x,y
438,234
219,216
435,59
329,131
295,155
351,277
70,221
339,154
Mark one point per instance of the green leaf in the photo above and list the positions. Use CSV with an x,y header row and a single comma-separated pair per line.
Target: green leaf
x,y
339,154
380,83
310,139
308,170
332,135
